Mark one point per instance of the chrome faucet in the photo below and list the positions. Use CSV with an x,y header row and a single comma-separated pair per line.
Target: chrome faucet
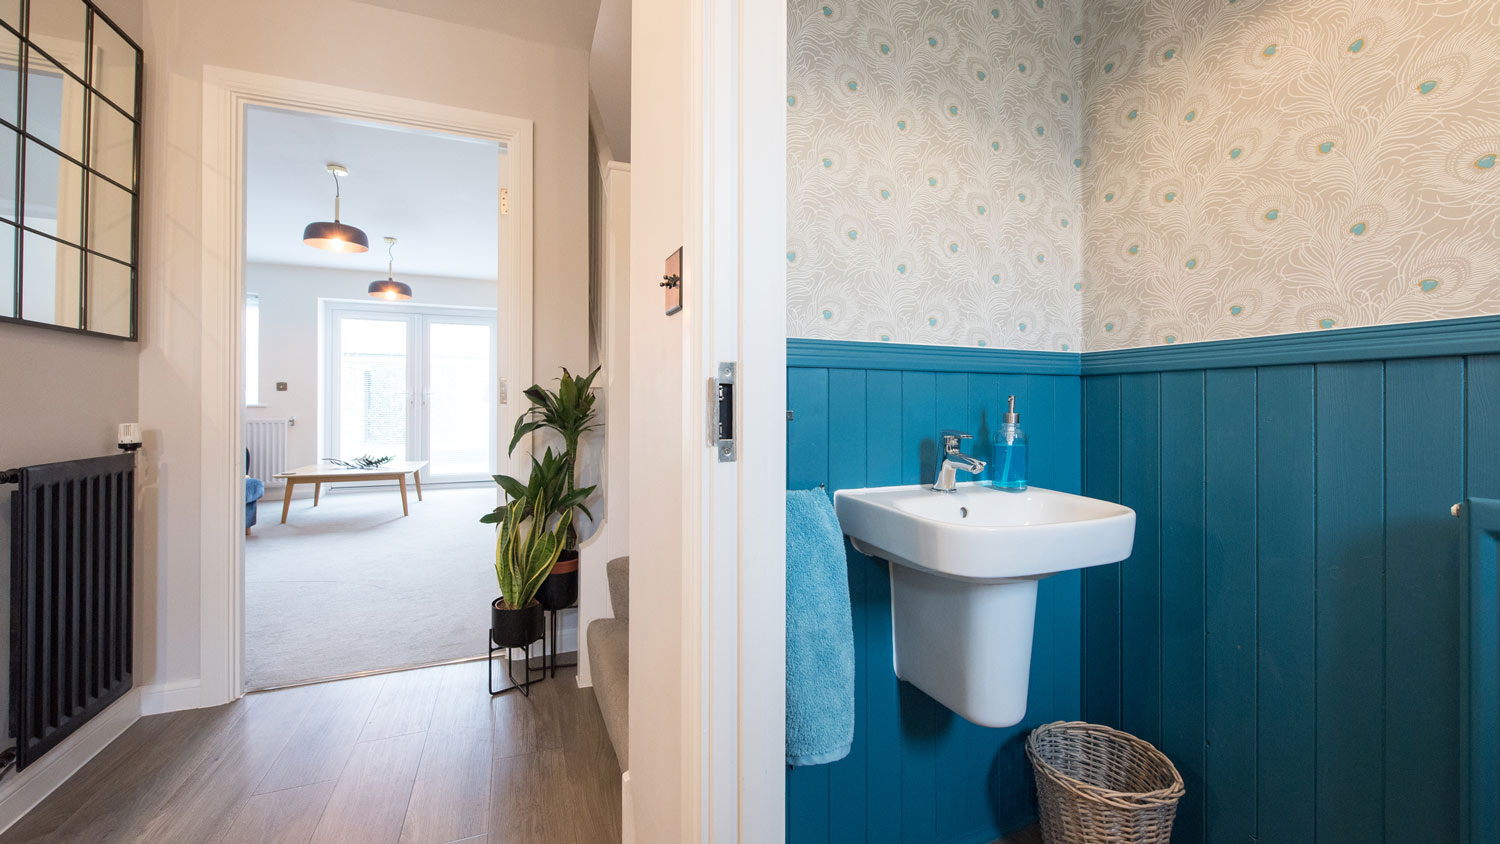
x,y
954,460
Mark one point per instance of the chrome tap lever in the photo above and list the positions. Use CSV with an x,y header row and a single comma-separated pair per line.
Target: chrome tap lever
x,y
954,461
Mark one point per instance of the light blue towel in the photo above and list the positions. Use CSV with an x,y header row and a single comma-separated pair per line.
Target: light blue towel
x,y
819,633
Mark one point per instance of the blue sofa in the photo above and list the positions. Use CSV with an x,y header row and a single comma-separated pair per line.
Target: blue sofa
x,y
254,489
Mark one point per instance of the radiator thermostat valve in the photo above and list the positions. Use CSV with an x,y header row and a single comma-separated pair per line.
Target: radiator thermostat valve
x,y
130,436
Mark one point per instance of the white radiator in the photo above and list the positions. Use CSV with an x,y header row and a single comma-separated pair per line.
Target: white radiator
x,y
266,439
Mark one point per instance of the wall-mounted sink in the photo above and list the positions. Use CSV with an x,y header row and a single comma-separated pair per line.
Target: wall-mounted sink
x,y
963,583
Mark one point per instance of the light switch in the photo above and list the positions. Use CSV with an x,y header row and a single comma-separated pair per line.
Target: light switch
x,y
280,386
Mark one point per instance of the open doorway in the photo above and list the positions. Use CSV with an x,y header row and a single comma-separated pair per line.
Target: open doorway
x,y
371,395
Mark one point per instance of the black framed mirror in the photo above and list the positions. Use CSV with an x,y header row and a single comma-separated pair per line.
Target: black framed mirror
x,y
70,152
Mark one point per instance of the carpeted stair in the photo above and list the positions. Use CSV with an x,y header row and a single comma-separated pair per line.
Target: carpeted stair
x,y
609,660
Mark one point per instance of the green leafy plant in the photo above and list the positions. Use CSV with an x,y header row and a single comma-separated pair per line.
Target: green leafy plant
x,y
530,540
364,461
550,482
569,410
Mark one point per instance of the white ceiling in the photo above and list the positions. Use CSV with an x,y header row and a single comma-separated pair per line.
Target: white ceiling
x,y
565,23
435,193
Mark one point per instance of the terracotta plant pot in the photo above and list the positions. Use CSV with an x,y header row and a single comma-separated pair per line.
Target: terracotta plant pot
x,y
515,628
560,589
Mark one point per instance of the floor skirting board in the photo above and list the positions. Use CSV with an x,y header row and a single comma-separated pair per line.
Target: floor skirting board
x,y
21,792
169,697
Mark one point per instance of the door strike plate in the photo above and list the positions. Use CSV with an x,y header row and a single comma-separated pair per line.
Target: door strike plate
x,y
723,412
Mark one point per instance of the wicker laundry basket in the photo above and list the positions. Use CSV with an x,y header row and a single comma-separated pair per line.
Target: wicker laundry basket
x,y
1096,785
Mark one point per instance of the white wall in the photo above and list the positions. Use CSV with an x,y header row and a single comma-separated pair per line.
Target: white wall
x,y
613,538
337,42
289,325
658,699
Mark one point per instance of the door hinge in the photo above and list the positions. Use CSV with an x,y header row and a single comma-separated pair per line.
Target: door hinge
x,y
722,412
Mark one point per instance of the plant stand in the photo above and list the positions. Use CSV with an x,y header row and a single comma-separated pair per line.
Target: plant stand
x,y
523,685
549,656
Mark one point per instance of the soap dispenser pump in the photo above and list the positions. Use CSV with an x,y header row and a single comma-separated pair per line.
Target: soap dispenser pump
x,y
1010,451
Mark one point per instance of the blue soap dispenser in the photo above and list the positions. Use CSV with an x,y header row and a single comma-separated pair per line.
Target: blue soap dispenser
x,y
1010,451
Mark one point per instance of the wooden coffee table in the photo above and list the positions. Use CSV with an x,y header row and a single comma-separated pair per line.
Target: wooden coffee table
x,y
327,473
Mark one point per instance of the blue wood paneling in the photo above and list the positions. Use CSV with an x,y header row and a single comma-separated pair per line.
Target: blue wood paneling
x,y
1101,584
1229,605
1304,674
807,392
1482,427
1287,629
848,423
1351,601
917,772
1479,660
1286,600
1424,419
1182,610
1140,576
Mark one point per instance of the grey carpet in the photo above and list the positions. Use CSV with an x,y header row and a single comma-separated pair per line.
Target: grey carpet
x,y
352,586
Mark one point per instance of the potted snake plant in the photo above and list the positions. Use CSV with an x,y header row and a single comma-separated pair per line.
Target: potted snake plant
x,y
569,411
526,550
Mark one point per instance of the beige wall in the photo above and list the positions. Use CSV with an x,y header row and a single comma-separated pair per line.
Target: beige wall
x,y
64,393
350,44
659,98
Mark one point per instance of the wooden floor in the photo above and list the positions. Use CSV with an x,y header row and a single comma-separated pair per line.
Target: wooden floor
x,y
417,757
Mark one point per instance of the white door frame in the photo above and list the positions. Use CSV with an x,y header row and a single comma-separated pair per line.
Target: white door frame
x,y
736,523
418,319
226,96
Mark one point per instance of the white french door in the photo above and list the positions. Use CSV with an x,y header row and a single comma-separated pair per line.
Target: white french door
x,y
413,383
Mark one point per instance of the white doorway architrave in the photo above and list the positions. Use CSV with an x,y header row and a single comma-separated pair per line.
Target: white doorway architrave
x,y
227,94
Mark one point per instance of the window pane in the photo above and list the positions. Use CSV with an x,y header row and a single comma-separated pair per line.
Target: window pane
x,y
252,349
59,27
52,281
373,392
54,106
7,270
54,194
10,12
459,399
8,164
109,219
10,78
112,149
109,296
114,66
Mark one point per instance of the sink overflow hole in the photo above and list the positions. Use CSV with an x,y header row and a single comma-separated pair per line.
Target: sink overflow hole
x,y
963,512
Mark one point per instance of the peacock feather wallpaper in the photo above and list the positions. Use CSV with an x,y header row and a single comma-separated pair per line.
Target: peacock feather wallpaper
x,y
1099,174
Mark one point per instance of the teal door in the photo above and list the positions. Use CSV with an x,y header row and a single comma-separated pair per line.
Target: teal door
x,y
1479,670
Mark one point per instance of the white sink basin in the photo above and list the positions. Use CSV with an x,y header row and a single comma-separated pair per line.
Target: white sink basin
x,y
982,533
964,575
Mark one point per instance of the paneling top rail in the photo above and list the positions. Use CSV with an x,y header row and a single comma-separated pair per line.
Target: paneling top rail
x,y
1437,338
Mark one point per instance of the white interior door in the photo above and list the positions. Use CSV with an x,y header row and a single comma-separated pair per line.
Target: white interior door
x,y
372,380
458,396
413,383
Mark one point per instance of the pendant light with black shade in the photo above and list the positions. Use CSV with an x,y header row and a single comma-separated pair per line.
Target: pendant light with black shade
x,y
389,287
335,236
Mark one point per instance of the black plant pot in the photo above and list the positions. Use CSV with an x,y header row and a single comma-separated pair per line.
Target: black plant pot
x,y
515,628
560,589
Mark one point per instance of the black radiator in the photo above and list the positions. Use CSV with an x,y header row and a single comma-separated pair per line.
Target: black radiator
x,y
71,570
